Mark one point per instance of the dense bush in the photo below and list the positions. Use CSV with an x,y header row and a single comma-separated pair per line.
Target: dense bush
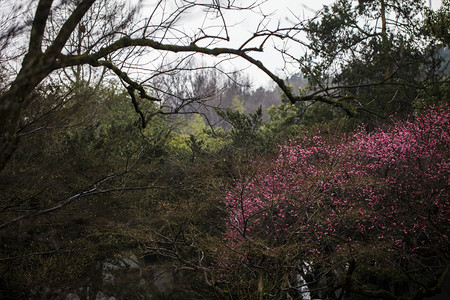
x,y
367,213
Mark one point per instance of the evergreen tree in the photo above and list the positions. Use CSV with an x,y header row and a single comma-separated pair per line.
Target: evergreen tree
x,y
374,57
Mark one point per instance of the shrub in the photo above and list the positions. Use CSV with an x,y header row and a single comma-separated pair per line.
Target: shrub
x,y
365,213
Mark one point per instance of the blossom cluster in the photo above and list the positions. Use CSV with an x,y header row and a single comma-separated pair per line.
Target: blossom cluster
x,y
381,195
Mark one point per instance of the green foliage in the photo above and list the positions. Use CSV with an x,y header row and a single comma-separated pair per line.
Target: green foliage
x,y
376,65
70,142
192,137
245,128
163,196
437,23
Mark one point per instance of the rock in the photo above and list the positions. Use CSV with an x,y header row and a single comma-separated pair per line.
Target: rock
x,y
108,277
72,296
131,263
113,265
163,279
101,296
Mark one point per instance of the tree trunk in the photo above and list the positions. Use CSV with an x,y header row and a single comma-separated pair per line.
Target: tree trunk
x,y
12,103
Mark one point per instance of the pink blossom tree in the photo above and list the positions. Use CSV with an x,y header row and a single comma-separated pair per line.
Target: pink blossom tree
x,y
365,214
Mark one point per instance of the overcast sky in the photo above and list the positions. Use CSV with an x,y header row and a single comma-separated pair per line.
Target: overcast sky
x,y
241,26
287,11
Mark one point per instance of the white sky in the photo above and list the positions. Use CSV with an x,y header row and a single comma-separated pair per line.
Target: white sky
x,y
286,11
242,24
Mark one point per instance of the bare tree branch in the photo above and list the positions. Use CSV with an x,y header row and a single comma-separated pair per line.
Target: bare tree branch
x,y
68,27
38,28
93,190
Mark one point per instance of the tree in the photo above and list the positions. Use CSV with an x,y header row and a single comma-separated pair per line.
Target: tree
x,y
363,215
84,117
374,57
113,45
437,22
82,170
66,138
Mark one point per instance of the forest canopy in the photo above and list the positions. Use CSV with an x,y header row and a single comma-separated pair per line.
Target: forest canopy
x,y
138,161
